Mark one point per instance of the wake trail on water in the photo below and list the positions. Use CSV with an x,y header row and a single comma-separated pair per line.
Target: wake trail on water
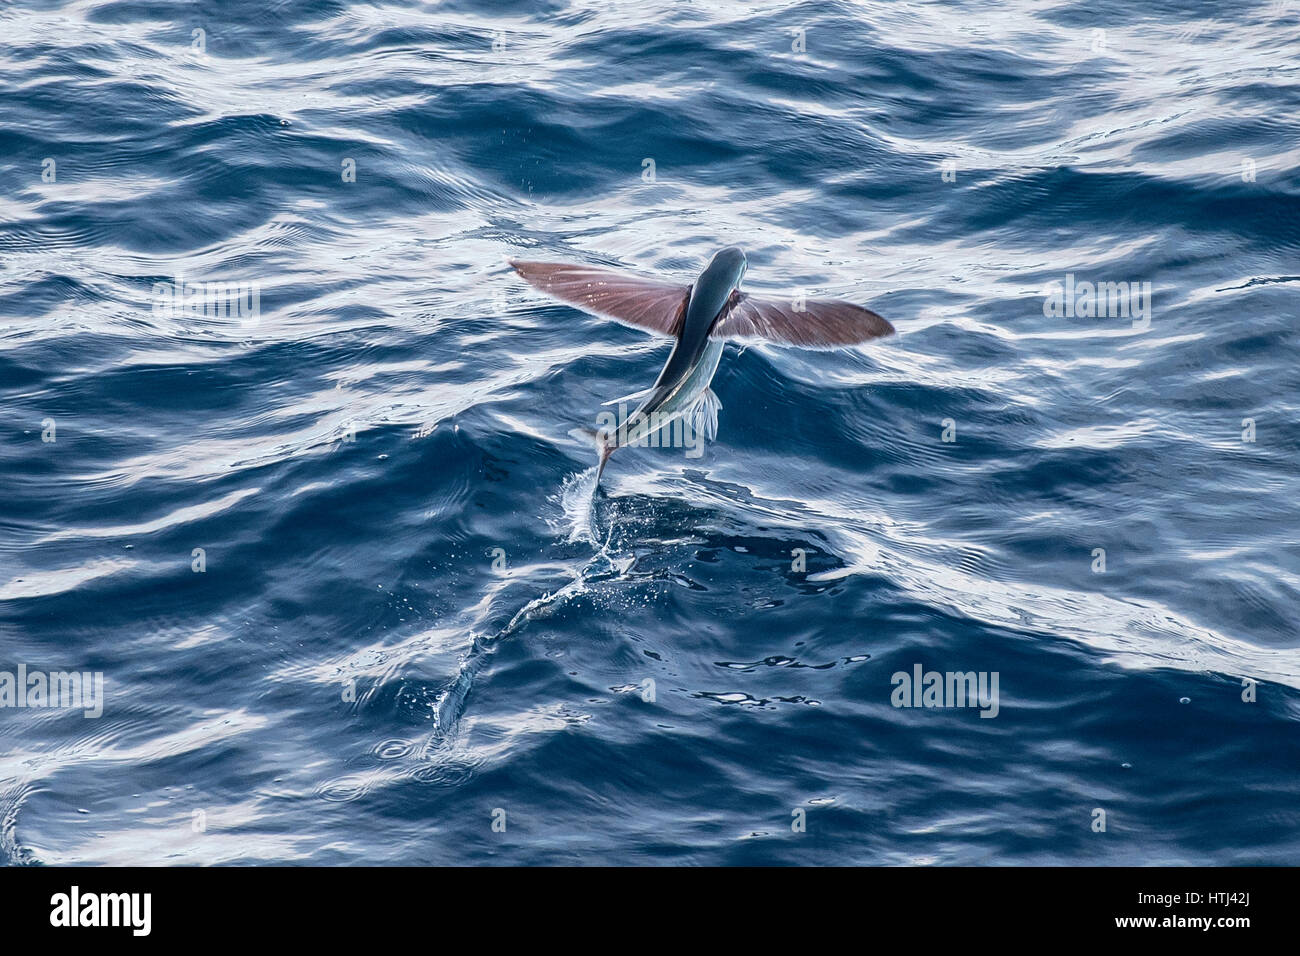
x,y
577,498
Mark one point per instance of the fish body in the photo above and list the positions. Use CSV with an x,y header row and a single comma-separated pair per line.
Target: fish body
x,y
683,384
667,404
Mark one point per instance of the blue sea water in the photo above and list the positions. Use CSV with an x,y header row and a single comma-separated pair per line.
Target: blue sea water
x,y
336,561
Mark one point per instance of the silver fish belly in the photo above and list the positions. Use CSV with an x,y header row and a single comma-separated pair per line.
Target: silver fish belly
x,y
659,412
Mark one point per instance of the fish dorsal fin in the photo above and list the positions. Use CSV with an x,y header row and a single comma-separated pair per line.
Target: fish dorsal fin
x,y
818,324
649,304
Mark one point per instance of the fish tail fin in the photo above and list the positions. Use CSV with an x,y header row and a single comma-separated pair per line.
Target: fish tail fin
x,y
604,448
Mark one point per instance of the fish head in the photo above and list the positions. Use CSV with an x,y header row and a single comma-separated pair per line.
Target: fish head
x,y
712,291
726,268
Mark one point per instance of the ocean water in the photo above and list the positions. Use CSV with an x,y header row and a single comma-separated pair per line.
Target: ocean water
x,y
336,558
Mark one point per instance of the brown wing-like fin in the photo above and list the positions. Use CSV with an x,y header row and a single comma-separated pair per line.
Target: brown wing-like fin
x,y
821,324
649,304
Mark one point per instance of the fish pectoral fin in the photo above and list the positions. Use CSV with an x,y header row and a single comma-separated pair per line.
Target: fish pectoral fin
x,y
635,396
805,323
652,305
703,415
